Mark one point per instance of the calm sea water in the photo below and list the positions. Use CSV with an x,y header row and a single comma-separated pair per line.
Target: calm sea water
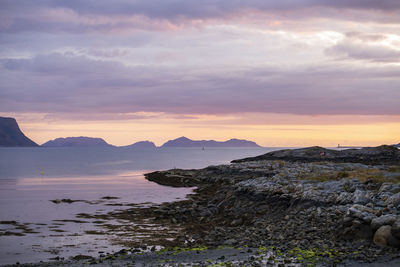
x,y
31,177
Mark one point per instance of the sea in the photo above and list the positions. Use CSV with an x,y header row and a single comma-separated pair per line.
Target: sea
x,y
37,225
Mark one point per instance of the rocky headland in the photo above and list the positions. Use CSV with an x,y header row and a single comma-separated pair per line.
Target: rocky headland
x,y
301,207
335,204
12,136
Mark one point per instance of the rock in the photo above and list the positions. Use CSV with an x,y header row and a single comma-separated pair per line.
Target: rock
x,y
56,201
361,197
393,241
382,234
361,212
230,242
368,219
393,200
237,222
388,219
344,198
396,229
389,187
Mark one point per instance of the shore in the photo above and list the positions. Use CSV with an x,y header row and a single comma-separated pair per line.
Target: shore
x,y
310,206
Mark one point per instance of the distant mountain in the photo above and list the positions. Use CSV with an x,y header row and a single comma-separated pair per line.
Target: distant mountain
x,y
398,145
81,141
186,142
142,145
11,134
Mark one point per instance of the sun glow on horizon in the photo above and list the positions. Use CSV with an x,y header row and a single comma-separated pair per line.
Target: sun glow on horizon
x,y
282,130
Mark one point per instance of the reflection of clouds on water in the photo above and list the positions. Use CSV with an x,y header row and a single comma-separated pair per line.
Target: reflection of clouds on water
x,y
111,163
56,222
8,184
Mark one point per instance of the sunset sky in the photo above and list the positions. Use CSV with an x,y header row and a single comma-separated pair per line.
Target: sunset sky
x,y
281,73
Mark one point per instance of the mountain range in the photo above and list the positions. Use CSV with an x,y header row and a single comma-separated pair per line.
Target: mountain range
x,y
11,135
83,141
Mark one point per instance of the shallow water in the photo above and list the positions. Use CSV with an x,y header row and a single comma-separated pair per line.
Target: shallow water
x,y
33,228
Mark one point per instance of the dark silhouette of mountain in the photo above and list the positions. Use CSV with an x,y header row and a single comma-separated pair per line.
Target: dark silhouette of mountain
x,y
398,145
81,141
186,142
11,134
142,145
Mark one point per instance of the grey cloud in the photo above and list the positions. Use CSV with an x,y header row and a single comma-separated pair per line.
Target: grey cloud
x,y
209,8
366,37
26,15
56,83
362,46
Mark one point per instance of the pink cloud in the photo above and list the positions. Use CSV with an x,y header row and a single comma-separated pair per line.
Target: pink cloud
x,y
56,83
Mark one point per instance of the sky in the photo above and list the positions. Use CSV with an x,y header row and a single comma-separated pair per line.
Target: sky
x,y
281,73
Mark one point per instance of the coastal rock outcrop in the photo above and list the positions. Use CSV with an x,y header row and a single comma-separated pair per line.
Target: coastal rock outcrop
x,y
368,155
283,201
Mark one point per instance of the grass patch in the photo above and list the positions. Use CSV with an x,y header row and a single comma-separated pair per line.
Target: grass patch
x,y
363,175
177,250
314,255
394,169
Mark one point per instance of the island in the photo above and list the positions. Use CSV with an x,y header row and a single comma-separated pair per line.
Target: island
x,y
81,141
186,142
142,145
12,136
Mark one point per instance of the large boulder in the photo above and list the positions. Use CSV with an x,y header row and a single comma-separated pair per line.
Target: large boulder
x,y
382,235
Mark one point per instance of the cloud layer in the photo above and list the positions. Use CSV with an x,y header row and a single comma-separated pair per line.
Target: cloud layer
x,y
127,15
183,57
59,83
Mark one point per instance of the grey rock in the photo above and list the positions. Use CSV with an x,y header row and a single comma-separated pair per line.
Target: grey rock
x,y
389,187
230,242
361,212
237,222
344,198
393,241
362,197
393,200
368,219
378,222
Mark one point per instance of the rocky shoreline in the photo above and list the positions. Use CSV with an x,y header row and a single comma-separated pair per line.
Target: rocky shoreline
x,y
291,207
